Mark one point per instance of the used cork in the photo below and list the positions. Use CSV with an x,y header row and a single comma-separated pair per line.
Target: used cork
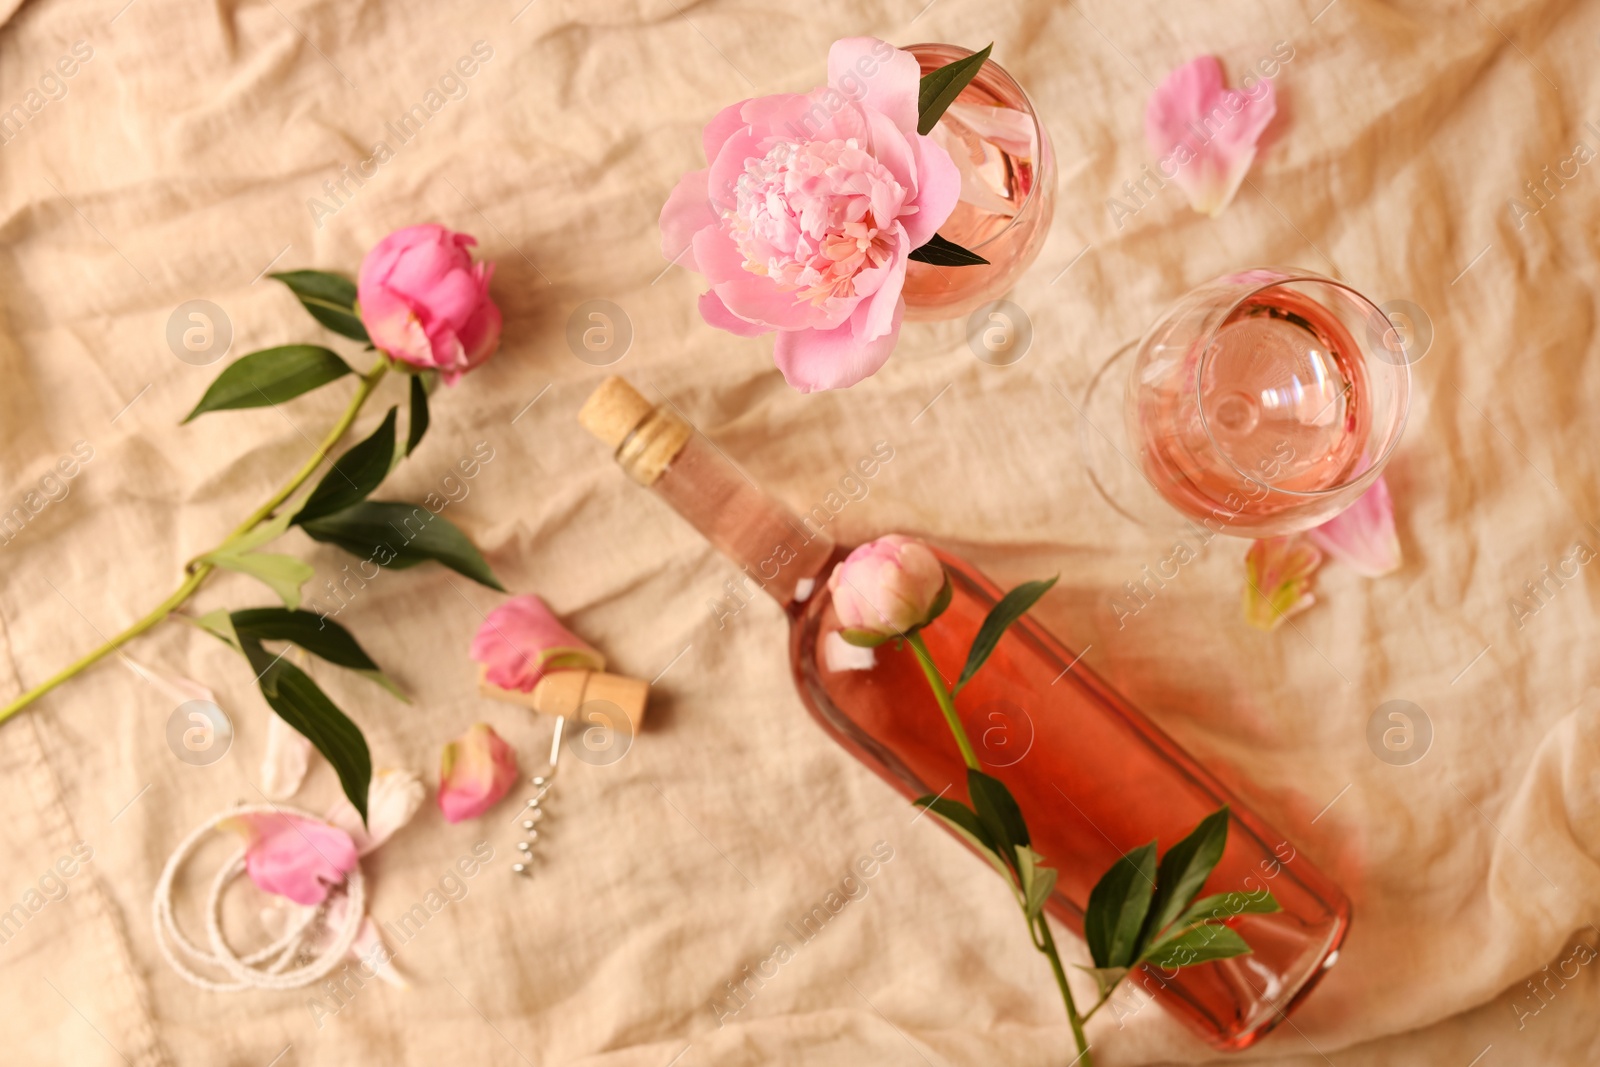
x,y
567,692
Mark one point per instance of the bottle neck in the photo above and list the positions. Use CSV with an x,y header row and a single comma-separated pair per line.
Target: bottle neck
x,y
782,555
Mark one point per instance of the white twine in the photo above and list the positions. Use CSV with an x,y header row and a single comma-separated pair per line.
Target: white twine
x,y
266,968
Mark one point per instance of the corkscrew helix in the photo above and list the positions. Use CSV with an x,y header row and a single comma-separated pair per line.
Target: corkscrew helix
x,y
532,814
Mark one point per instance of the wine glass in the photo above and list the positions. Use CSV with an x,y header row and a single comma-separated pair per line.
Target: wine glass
x,y
1262,403
1008,188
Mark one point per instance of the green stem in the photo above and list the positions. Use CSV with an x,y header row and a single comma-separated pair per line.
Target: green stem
x,y
198,572
1044,941
942,694
1084,1059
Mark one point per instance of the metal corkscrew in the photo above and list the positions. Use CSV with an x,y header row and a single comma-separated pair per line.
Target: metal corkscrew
x,y
532,813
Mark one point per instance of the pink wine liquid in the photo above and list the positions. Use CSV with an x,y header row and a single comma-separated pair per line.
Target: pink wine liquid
x,y
1094,779
1007,190
1276,406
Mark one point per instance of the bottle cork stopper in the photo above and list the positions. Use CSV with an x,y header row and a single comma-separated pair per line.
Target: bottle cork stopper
x,y
569,692
613,411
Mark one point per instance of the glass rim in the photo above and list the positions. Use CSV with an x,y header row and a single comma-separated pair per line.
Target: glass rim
x,y
1033,117
1289,276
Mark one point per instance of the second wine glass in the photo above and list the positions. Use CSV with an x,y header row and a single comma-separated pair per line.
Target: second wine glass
x,y
1267,401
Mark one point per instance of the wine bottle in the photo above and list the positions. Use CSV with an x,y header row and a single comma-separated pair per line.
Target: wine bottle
x,y
1093,776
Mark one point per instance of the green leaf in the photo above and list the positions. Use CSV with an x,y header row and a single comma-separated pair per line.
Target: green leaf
x,y
1104,977
1222,906
940,602
1199,944
283,574
966,826
294,696
418,423
943,253
354,475
330,298
271,376
997,810
1012,607
939,88
1038,881
1184,870
1117,908
316,634
863,638
399,535
218,623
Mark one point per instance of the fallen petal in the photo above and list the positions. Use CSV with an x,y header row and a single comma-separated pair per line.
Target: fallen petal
x,y
1203,134
1278,575
1362,536
392,799
475,771
293,856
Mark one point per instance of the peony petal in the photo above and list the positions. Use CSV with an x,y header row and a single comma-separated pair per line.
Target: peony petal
x,y
686,212
392,799
1278,575
522,639
1206,133
288,755
716,313
1362,536
938,190
878,76
723,125
395,327
293,856
812,360
475,771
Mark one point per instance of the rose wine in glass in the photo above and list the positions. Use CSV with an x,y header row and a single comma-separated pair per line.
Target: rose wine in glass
x,y
1094,778
1007,189
1267,401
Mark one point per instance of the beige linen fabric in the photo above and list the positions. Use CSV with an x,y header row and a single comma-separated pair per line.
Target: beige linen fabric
x,y
179,163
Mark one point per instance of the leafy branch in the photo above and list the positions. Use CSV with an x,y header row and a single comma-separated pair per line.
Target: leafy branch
x,y
1141,912
391,534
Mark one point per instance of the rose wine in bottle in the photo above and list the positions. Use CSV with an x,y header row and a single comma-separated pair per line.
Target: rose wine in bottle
x,y
1094,778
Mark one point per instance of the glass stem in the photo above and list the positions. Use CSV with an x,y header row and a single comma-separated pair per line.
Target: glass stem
x,y
199,571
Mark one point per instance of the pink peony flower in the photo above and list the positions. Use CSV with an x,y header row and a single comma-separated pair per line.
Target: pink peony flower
x,y
521,641
475,771
810,206
293,856
1362,536
886,587
1278,574
1203,135
425,302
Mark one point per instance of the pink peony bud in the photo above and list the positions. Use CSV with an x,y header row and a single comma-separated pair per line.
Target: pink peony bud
x,y
475,771
425,302
521,641
887,586
293,856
